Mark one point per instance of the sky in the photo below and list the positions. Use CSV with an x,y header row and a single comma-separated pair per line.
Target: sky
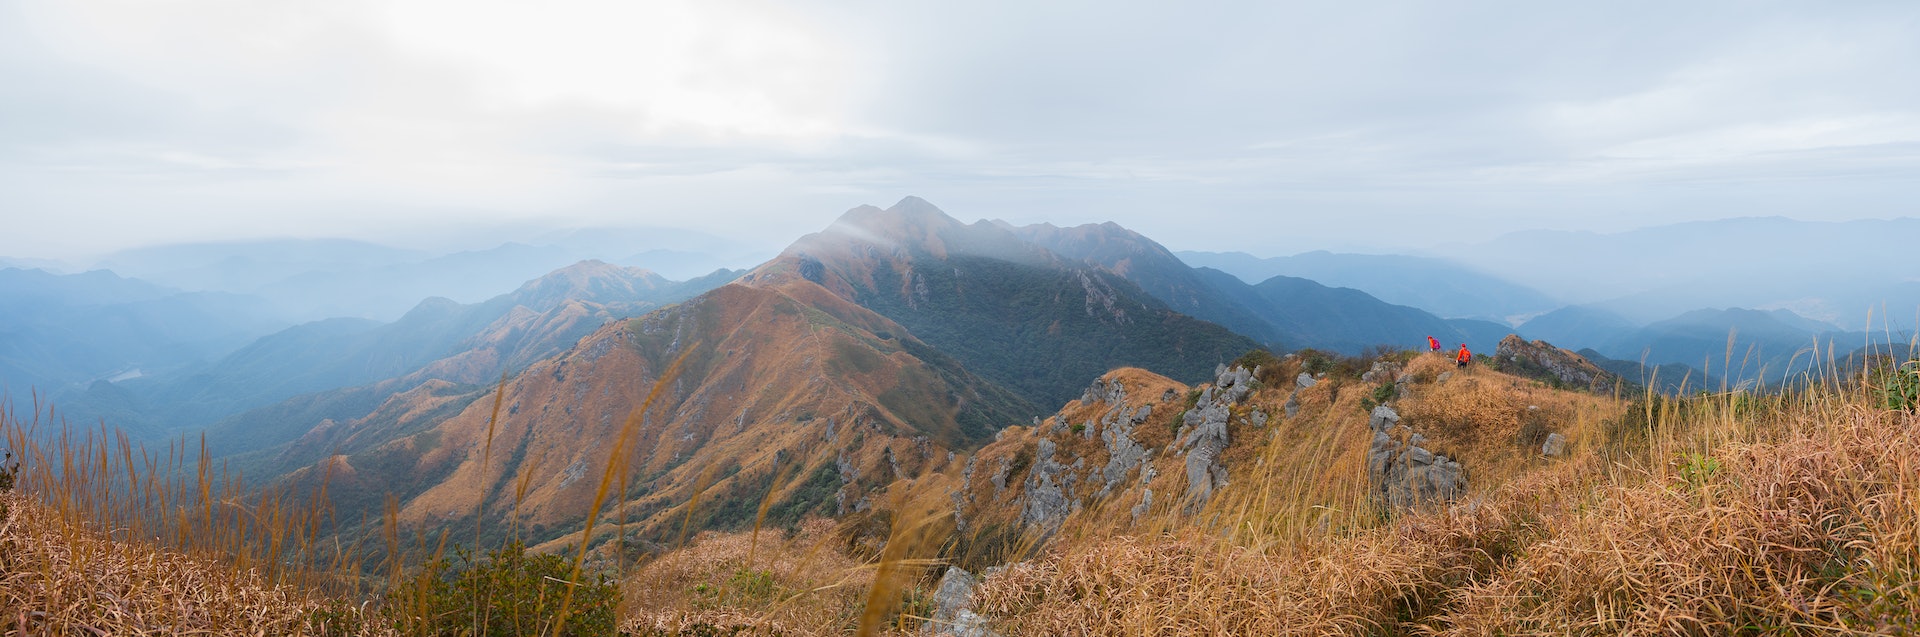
x,y
1267,127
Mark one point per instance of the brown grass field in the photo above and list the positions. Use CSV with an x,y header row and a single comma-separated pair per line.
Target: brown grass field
x,y
1787,513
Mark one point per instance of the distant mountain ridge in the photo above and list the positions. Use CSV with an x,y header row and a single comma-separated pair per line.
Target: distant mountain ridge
x,y
438,340
1733,343
61,332
1442,287
1653,273
1285,313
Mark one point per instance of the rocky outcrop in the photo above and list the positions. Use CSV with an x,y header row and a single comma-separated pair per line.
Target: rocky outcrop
x,y
1381,372
953,607
1124,454
1204,432
1403,474
1542,361
1049,490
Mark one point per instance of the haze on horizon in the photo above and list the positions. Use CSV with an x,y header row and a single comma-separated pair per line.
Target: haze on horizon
x,y
1265,127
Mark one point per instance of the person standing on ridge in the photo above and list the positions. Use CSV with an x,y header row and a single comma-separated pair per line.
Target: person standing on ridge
x,y
1464,357
1433,344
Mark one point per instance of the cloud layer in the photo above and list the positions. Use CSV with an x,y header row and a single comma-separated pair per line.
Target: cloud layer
x,y
1268,127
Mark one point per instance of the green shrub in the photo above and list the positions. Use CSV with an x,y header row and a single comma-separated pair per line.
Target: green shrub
x,y
510,592
9,470
1899,388
1380,396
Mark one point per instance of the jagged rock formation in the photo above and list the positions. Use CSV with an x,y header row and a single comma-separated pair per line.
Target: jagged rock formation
x,y
1542,361
1105,445
1049,490
1404,474
1203,435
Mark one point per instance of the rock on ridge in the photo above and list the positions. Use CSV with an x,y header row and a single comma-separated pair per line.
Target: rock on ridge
x,y
1540,360
1049,490
953,607
1205,432
1405,475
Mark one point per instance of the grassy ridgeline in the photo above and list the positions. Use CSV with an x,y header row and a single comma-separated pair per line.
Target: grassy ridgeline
x,y
1787,513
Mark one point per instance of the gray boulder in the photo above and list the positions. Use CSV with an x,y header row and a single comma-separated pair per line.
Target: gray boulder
x,y
1405,475
953,607
1556,444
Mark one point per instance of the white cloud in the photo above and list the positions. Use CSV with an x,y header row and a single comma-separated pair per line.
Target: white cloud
x,y
236,117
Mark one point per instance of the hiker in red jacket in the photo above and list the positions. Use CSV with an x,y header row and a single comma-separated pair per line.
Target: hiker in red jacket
x,y
1433,344
1464,357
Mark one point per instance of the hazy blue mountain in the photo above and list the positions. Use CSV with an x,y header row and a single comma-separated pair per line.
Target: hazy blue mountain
x,y
1576,327
1344,319
438,339
682,264
1440,286
1770,262
246,266
1734,344
59,333
385,292
326,278
1284,312
50,265
1666,378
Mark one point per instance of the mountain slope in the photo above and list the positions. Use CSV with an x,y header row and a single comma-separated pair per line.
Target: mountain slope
x,y
1011,311
1153,268
784,387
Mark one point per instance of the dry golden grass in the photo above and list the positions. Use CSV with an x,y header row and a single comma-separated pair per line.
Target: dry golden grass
x,y
1791,514
1809,529
808,584
803,585
56,579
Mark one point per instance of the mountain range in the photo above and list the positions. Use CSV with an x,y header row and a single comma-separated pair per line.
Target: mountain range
x,y
1440,286
860,355
58,332
1859,270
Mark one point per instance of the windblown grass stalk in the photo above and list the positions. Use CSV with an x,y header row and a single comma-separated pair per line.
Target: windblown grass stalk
x,y
104,535
616,469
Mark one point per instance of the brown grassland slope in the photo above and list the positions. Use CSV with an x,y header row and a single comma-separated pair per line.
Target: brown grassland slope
x,y
58,578
785,390
1792,513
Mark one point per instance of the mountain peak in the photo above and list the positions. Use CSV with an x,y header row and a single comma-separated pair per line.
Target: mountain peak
x,y
912,205
590,280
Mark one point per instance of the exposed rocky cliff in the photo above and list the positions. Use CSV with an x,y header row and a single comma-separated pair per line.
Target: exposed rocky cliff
x,y
1542,361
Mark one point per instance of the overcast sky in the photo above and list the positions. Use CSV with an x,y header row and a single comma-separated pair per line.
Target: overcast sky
x,y
1261,126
